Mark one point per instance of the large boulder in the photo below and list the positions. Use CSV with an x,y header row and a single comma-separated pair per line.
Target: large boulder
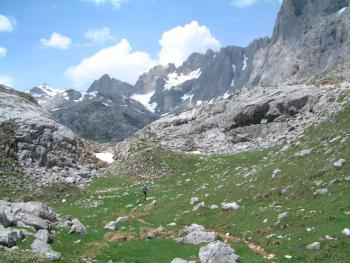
x,y
217,252
196,234
45,250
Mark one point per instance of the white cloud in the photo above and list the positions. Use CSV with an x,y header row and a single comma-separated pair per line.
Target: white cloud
x,y
3,52
178,43
6,80
118,61
99,35
56,41
6,24
246,3
114,3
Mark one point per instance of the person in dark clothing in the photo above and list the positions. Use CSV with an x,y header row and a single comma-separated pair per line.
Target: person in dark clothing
x,y
145,191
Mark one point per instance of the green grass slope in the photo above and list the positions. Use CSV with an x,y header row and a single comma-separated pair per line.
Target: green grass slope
x,y
245,178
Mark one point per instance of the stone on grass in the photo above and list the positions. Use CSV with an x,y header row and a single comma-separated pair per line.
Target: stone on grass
x,y
111,226
180,260
229,206
314,246
9,236
194,200
77,227
338,164
303,153
217,252
346,231
214,206
45,250
321,191
196,208
43,235
121,219
155,233
281,217
276,172
196,234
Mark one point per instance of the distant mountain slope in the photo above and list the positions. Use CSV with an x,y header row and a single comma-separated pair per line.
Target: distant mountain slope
x,y
102,114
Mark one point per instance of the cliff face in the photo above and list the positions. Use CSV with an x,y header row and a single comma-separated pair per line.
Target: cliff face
x,y
308,37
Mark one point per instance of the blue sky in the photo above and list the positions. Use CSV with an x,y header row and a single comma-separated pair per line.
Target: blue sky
x,y
69,43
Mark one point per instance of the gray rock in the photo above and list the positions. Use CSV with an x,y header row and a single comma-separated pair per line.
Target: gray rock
x,y
196,234
111,225
303,153
338,164
217,252
155,233
41,143
9,236
194,200
229,206
45,250
276,172
198,206
180,260
77,227
321,191
314,246
122,219
43,235
32,220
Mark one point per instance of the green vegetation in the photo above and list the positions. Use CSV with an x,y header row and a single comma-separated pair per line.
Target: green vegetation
x,y
24,95
245,178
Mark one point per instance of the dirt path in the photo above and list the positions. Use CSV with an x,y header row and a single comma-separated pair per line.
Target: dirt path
x,y
255,248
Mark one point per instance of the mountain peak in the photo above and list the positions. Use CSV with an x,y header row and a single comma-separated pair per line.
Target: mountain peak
x,y
111,87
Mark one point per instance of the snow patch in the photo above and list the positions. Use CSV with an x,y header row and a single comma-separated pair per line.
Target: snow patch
x,y
245,62
187,96
107,105
49,91
342,10
144,99
233,78
175,80
105,157
226,95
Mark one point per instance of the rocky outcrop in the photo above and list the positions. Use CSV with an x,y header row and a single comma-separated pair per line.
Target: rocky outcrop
x,y
251,119
20,220
46,150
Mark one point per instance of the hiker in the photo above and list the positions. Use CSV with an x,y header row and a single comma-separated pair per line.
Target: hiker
x,y
145,191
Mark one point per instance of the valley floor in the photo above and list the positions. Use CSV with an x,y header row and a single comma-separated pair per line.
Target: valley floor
x,y
307,214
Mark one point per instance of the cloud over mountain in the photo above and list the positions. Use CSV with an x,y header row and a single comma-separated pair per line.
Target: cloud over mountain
x,y
178,43
118,61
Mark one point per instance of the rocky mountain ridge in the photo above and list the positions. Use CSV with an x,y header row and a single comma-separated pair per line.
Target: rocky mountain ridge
x,y
308,37
102,114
